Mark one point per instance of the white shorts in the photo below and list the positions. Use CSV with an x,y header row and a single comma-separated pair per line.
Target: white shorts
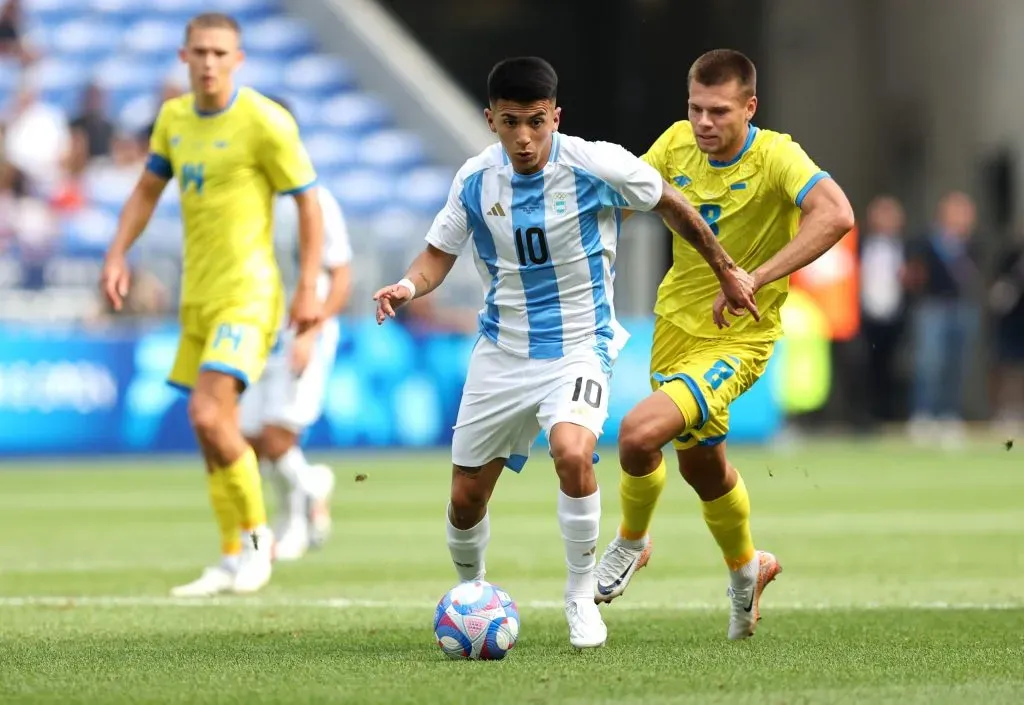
x,y
279,398
507,400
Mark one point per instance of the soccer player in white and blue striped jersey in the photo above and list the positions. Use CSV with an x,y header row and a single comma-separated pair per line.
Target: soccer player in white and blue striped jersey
x,y
543,211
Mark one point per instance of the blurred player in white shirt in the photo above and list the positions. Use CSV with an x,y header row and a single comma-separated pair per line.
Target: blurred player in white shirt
x,y
288,399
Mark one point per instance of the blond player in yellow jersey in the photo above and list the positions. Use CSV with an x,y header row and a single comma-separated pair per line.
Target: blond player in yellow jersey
x,y
774,211
231,151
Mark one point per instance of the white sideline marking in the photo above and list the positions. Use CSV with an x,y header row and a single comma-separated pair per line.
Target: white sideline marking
x,y
345,603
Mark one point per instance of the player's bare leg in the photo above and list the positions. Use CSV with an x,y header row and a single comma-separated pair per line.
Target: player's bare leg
x,y
469,526
645,430
304,492
726,508
233,473
579,517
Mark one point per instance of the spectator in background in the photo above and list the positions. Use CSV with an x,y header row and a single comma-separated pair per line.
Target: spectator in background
x,y
37,140
92,122
882,301
943,271
12,43
1006,301
118,172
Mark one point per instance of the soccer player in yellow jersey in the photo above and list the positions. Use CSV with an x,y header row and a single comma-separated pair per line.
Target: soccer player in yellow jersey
x,y
774,211
231,151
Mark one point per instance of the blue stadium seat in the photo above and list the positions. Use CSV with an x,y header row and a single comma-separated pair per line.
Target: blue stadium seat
x,y
425,190
392,149
362,192
182,7
85,39
265,75
54,11
306,111
55,74
354,113
153,37
248,10
126,73
10,76
284,36
320,75
123,11
330,152
137,111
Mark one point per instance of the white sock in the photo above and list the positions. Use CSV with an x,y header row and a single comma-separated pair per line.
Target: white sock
x,y
580,521
292,466
746,574
468,547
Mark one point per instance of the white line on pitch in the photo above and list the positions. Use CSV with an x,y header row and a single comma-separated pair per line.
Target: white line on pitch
x,y
346,603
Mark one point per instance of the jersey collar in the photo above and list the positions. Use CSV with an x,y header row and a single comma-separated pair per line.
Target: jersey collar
x,y
212,113
751,134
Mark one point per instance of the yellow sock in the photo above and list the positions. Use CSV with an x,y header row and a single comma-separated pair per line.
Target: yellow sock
x,y
639,497
243,481
228,518
728,517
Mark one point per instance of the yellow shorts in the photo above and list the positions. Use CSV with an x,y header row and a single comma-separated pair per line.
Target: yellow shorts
x,y
230,337
714,371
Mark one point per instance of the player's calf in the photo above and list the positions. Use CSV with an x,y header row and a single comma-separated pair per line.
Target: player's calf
x,y
579,517
468,525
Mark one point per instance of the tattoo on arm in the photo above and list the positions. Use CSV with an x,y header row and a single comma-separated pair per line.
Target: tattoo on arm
x,y
685,220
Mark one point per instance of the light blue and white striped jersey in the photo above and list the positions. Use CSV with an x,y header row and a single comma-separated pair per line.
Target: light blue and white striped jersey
x,y
544,243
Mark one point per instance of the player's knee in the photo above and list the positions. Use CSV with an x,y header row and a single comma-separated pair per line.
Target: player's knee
x,y
206,415
575,461
638,440
468,497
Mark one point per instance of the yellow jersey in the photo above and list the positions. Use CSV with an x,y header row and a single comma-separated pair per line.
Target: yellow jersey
x,y
752,204
229,166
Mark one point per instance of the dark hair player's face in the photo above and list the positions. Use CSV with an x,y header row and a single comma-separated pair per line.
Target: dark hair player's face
x,y
525,131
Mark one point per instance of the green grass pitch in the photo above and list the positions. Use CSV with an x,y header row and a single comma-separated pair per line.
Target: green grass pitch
x,y
903,583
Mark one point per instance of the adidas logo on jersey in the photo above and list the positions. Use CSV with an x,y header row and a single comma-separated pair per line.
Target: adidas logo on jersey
x,y
496,209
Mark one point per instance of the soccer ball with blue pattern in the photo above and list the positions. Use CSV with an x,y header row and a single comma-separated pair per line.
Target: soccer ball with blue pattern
x,y
476,620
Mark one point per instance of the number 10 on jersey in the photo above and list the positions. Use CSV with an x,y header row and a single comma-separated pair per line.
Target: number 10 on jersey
x,y
533,244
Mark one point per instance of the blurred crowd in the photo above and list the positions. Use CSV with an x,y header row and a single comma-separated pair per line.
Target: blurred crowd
x,y
940,309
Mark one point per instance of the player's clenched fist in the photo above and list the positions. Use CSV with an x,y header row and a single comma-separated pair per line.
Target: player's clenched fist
x,y
736,296
390,298
114,280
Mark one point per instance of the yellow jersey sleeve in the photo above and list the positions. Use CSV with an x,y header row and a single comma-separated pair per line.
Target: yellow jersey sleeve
x,y
791,172
159,160
283,156
658,155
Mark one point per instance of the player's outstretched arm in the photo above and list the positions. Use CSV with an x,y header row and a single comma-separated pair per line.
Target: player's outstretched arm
x,y
135,215
827,217
683,218
425,274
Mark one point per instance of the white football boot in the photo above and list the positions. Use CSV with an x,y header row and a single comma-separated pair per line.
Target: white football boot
x,y
586,628
294,540
254,566
745,599
215,580
616,568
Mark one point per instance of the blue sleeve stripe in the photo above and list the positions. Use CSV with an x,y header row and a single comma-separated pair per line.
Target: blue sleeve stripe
x,y
809,185
296,191
161,166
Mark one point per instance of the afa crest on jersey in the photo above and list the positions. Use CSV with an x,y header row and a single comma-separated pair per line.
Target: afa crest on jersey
x,y
559,203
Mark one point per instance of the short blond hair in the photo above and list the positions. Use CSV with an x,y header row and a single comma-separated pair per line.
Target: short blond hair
x,y
212,20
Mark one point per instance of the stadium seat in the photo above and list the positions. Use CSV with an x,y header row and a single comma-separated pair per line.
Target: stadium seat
x,y
320,75
153,38
51,12
355,113
56,73
392,149
85,39
281,35
331,153
88,232
125,73
425,190
265,75
362,191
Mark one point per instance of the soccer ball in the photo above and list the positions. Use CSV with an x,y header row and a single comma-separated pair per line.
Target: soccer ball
x,y
476,620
